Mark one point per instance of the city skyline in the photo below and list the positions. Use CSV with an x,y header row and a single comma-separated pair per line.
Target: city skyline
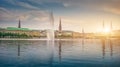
x,y
75,14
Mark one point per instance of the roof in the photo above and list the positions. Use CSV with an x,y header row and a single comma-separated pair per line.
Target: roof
x,y
14,28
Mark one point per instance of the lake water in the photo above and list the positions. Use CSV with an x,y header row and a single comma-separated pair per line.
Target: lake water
x,y
61,53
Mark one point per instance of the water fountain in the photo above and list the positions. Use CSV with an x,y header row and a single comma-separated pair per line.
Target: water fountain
x,y
50,38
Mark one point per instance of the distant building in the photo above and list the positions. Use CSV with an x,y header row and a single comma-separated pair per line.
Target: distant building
x,y
60,26
21,29
115,33
19,24
11,32
77,35
59,32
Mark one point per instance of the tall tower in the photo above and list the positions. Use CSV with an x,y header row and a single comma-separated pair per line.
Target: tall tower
x,y
83,32
19,24
60,26
103,26
111,27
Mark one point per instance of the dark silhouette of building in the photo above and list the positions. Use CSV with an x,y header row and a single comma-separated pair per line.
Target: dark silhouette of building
x,y
111,27
103,26
83,32
19,24
60,26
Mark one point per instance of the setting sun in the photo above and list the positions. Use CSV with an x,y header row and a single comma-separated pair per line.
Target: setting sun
x,y
106,30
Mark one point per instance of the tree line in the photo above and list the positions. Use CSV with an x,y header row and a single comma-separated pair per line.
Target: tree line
x,y
14,35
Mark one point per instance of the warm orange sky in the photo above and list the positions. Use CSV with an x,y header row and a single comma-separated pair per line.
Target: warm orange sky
x,y
75,14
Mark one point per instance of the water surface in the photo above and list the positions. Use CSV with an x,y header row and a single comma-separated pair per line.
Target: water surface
x,y
64,53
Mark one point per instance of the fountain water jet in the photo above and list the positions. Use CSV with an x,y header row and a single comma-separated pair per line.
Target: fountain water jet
x,y
50,38
50,31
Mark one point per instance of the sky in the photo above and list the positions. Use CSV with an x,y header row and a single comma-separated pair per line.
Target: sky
x,y
74,14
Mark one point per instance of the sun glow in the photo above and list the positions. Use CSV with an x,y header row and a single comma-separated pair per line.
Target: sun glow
x,y
106,30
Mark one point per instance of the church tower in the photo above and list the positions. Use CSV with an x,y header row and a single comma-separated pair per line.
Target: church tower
x,y
60,26
19,24
103,25
111,27
83,32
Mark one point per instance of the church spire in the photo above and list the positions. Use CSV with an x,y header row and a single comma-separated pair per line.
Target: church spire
x,y
19,24
111,27
60,26
103,25
83,32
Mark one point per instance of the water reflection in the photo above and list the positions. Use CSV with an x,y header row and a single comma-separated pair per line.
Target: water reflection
x,y
66,53
50,49
83,44
60,50
106,42
18,49
111,48
103,47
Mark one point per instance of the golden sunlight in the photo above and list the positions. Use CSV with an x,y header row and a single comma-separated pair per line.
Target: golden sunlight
x,y
106,30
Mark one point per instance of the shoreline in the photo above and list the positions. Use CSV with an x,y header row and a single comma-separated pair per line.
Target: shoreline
x,y
34,39
68,39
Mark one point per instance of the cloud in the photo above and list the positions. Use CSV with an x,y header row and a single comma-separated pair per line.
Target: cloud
x,y
17,4
111,6
33,15
26,5
112,10
3,9
32,4
5,14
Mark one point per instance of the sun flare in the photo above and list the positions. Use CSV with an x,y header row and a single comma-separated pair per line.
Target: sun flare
x,y
106,30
